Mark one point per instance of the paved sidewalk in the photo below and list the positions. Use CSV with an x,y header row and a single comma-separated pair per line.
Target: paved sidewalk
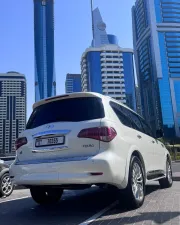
x,y
160,207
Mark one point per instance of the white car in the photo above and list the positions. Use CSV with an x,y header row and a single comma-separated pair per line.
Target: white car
x,y
83,139
6,186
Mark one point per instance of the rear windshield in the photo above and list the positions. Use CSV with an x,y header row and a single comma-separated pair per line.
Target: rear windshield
x,y
67,110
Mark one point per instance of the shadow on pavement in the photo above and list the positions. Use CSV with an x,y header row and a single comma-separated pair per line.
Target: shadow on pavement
x,y
151,217
74,208
152,188
120,215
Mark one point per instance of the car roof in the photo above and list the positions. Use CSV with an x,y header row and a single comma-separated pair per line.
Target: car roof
x,y
66,96
78,95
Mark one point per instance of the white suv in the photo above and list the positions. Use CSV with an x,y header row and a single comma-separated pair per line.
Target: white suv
x,y
84,139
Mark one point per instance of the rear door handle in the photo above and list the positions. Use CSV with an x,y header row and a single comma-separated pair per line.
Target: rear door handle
x,y
153,142
139,136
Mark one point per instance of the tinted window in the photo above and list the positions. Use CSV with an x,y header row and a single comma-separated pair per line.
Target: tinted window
x,y
147,129
118,109
136,121
134,118
67,110
131,119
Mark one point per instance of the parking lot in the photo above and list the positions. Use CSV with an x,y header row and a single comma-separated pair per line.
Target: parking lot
x,y
84,207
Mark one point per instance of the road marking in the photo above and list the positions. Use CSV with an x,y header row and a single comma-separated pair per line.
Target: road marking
x,y
14,199
93,218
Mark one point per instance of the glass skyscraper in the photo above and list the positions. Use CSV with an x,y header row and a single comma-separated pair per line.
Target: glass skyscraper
x,y
109,70
73,83
156,34
12,110
45,83
106,68
100,36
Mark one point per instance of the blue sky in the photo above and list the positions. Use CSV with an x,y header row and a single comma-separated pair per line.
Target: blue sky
x,y
72,35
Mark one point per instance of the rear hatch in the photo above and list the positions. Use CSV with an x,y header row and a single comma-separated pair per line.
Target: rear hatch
x,y
53,128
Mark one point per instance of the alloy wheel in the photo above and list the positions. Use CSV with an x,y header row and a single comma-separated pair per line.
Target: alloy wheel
x,y
6,185
169,172
137,182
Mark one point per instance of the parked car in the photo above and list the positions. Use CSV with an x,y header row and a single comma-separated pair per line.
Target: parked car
x,y
6,186
81,139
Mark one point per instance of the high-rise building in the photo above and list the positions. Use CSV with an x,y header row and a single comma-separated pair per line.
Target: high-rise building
x,y
100,36
109,70
156,34
45,82
106,68
73,83
12,110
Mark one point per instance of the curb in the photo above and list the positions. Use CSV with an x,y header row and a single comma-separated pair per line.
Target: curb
x,y
176,177
19,188
176,161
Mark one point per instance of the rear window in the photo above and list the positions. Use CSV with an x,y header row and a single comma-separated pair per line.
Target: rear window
x,y
67,110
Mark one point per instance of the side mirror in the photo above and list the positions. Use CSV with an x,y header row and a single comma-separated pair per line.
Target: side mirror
x,y
159,134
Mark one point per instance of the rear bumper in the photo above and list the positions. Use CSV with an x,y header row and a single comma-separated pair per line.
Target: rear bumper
x,y
67,173
78,172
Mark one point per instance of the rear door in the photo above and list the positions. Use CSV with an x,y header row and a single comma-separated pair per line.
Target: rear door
x,y
136,134
53,128
156,146
151,141
159,155
145,141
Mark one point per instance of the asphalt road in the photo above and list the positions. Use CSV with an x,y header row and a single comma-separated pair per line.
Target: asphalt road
x,y
74,208
78,206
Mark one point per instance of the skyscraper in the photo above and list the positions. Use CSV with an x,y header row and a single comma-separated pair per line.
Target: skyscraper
x,y
73,83
156,34
100,36
12,110
106,68
45,82
109,70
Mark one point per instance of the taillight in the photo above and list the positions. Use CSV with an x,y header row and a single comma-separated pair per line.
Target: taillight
x,y
20,142
105,134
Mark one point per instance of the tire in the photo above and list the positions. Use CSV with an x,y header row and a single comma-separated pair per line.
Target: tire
x,y
44,196
134,194
167,181
6,186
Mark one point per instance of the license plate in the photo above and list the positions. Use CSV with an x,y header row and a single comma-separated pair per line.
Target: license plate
x,y
40,142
